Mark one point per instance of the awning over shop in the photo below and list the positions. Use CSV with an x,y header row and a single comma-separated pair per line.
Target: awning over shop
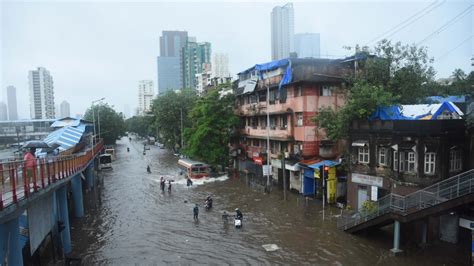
x,y
291,167
359,143
324,163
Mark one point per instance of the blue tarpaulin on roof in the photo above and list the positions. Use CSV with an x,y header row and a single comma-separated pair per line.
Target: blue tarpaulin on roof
x,y
324,163
262,68
414,112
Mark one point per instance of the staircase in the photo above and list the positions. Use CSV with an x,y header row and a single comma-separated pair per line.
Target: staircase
x,y
447,194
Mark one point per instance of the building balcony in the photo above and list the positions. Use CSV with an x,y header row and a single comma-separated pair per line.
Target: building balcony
x,y
276,133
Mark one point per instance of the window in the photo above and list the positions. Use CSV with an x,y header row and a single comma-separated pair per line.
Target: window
x,y
430,158
383,156
298,91
325,91
299,119
273,96
455,161
411,162
364,154
395,160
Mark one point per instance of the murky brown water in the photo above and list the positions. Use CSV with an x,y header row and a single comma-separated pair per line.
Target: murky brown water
x,y
134,223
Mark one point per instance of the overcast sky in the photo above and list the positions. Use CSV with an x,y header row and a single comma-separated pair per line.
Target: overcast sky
x,y
102,49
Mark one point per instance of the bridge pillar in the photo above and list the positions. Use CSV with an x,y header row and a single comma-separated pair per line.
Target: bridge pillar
x,y
396,238
424,232
90,175
10,247
64,218
76,184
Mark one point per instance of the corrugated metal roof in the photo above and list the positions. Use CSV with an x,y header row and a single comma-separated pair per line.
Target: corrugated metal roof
x,y
66,137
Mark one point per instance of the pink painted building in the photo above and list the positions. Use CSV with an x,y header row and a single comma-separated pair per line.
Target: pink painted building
x,y
309,84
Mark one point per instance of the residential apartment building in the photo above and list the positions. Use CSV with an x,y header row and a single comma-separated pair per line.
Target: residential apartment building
x,y
3,112
145,96
65,109
41,94
12,104
297,89
307,45
169,61
282,27
195,58
220,65
403,149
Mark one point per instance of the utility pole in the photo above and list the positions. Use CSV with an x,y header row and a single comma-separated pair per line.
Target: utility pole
x,y
182,141
324,192
268,136
284,174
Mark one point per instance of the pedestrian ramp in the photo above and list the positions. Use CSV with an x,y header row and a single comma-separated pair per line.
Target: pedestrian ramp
x,y
448,194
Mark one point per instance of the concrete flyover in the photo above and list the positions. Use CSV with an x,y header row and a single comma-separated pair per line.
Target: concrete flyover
x,y
40,194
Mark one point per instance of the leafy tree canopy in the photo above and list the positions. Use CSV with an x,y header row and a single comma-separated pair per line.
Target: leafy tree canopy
x,y
212,119
398,74
168,110
141,125
112,125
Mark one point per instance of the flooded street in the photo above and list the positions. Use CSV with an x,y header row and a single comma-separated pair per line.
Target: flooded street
x,y
134,222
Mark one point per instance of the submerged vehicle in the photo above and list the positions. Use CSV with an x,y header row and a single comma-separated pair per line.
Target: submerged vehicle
x,y
194,169
105,161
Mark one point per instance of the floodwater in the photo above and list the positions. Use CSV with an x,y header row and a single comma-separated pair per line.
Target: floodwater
x,y
133,222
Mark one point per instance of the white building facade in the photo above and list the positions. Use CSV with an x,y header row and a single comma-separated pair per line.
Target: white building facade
x,y
145,96
283,28
65,109
307,45
220,66
41,94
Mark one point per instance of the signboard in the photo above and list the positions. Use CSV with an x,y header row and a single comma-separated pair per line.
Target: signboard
x,y
374,193
257,160
367,180
465,223
40,221
266,169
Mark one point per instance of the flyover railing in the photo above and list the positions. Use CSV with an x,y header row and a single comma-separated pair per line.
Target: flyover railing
x,y
448,189
20,179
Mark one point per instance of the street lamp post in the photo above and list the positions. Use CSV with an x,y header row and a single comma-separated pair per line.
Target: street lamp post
x,y
93,118
268,136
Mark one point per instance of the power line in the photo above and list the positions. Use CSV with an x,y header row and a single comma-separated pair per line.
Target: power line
x,y
423,12
446,25
457,46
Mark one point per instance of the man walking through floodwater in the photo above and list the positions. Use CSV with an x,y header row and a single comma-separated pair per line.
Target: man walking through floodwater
x,y
162,184
196,212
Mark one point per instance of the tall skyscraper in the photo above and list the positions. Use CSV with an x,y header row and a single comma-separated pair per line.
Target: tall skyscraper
x,y
220,66
3,111
282,20
41,94
195,56
12,108
65,109
169,61
145,96
307,45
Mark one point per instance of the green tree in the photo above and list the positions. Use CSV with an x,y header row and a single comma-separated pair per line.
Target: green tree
x,y
141,125
212,120
168,110
397,74
112,125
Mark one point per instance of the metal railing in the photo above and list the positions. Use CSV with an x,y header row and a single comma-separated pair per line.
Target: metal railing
x,y
451,188
19,179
